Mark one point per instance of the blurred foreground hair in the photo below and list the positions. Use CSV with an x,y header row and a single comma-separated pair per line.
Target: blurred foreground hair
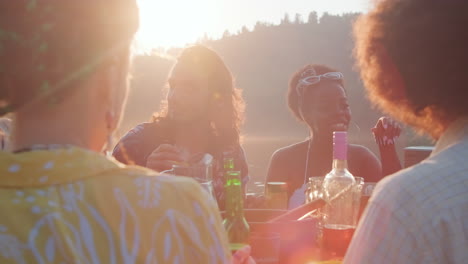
x,y
414,60
48,47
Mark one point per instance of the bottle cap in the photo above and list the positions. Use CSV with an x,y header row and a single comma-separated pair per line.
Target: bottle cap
x,y
340,145
340,136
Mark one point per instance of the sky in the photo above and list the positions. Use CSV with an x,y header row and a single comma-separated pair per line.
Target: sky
x,y
168,23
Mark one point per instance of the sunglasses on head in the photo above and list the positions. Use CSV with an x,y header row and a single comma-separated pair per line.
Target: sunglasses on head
x,y
314,79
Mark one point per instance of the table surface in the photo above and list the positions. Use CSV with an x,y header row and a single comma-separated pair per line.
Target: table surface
x,y
310,255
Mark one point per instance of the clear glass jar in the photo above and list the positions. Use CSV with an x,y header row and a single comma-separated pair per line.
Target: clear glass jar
x,y
276,195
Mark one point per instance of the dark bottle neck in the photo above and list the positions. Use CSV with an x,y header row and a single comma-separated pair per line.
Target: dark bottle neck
x,y
234,197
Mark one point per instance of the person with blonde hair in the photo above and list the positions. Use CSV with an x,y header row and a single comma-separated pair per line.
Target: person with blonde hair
x,y
413,60
63,77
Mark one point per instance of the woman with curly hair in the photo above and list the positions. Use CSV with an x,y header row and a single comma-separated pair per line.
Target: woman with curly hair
x,y
414,62
203,115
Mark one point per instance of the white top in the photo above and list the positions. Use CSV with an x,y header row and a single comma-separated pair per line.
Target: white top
x,y
420,214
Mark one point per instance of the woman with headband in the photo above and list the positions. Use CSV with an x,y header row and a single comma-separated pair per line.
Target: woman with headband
x,y
316,97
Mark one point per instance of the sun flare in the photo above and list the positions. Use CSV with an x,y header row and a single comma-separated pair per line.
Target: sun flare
x,y
173,22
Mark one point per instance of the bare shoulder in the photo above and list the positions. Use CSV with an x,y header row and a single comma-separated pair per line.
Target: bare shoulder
x,y
359,150
291,151
364,163
362,154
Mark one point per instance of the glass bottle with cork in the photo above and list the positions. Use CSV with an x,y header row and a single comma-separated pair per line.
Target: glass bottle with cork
x,y
340,211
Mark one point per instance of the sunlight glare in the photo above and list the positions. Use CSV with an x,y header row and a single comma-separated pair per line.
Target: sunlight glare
x,y
174,22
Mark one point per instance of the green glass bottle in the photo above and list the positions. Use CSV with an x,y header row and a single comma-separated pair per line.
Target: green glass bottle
x,y
228,163
235,224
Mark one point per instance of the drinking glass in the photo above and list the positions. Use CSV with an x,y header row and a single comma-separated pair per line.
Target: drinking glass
x,y
315,191
357,196
276,195
367,189
336,238
202,173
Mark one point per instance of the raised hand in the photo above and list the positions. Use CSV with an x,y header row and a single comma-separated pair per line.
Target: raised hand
x,y
163,157
386,131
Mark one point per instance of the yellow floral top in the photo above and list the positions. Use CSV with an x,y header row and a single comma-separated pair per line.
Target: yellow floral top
x,y
76,206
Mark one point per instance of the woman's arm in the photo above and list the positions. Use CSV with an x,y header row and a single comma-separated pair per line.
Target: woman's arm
x,y
389,157
135,146
369,165
386,132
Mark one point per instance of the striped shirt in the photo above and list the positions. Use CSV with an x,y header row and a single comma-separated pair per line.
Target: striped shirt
x,y
420,214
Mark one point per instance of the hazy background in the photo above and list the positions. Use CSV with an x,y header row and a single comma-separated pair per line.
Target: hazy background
x,y
262,60
178,22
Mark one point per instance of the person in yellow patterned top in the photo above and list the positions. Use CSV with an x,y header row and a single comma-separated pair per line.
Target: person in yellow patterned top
x,y
63,77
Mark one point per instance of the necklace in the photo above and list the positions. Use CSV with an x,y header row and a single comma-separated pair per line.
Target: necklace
x,y
298,196
306,170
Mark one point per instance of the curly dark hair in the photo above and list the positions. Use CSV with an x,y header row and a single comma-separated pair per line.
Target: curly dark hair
x,y
226,104
414,60
47,47
293,97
